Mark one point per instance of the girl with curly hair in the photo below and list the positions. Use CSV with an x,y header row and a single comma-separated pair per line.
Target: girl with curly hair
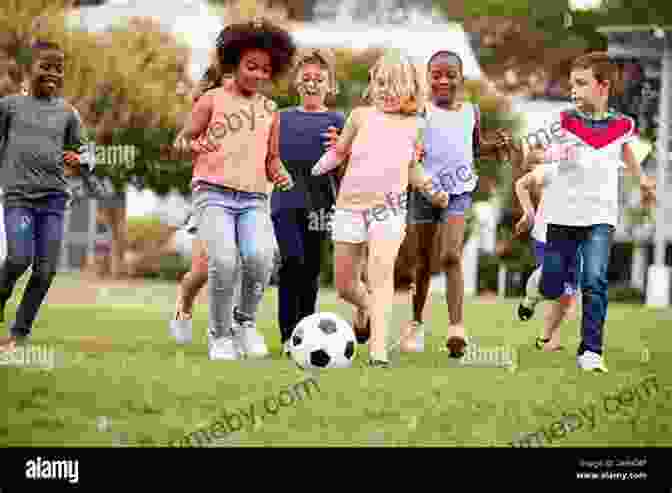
x,y
233,134
382,142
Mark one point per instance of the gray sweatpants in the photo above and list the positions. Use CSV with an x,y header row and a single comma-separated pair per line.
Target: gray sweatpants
x,y
235,224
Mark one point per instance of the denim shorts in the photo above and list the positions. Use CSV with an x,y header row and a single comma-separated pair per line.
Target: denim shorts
x,y
421,210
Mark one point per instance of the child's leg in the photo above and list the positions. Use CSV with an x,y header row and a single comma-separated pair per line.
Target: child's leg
x,y
349,235
256,247
194,280
48,223
313,251
451,244
20,242
421,242
595,250
218,231
290,243
255,243
385,238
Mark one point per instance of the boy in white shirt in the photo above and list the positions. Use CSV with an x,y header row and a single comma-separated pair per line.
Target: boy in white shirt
x,y
581,200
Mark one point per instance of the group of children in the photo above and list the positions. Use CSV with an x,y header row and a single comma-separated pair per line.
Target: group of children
x,y
400,151
260,172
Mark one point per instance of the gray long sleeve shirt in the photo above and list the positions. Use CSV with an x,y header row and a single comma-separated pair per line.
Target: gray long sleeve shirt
x,y
37,132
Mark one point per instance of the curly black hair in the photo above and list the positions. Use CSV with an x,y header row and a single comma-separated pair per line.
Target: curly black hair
x,y
260,34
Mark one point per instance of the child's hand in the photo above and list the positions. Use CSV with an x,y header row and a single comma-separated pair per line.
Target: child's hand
x,y
524,224
419,154
71,163
503,140
441,199
203,145
332,135
284,183
647,189
181,144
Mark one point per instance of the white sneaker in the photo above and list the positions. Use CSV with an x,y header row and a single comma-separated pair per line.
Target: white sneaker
x,y
181,330
222,348
590,361
253,344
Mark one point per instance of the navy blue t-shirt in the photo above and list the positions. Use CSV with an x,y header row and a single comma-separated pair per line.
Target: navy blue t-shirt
x,y
301,146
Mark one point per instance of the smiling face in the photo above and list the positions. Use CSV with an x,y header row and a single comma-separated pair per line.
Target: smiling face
x,y
47,73
445,79
312,83
254,68
589,94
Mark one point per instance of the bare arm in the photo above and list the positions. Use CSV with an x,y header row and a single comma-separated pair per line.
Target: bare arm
x,y
276,172
338,154
647,185
525,185
200,117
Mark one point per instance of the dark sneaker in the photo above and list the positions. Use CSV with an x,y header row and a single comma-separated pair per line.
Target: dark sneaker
x,y
525,313
377,363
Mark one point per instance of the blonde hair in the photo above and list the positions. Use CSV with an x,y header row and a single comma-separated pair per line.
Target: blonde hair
x,y
403,76
323,57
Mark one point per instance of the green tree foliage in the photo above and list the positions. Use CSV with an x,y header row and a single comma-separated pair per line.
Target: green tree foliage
x,y
129,84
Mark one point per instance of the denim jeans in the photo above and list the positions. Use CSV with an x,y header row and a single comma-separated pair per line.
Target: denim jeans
x,y
560,270
34,236
234,223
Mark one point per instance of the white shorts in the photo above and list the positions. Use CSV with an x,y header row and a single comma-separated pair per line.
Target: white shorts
x,y
357,226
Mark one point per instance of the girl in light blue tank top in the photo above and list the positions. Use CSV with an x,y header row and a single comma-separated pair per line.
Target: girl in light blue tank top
x,y
452,142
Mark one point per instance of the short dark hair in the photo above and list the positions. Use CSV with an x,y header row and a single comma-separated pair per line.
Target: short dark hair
x,y
262,35
442,53
603,70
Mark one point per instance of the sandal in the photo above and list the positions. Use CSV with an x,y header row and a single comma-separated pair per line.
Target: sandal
x,y
363,334
456,346
540,343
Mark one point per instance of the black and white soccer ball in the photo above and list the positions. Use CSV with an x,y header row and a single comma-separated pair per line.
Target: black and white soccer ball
x,y
323,340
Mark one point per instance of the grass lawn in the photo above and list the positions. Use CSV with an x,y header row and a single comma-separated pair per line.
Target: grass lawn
x,y
117,366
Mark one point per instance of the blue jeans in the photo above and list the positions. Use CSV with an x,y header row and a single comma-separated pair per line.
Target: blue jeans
x,y
34,236
560,269
234,224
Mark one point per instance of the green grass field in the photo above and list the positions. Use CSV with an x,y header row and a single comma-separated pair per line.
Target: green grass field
x,y
115,363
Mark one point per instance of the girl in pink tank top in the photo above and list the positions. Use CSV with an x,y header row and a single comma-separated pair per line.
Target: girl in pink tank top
x,y
381,142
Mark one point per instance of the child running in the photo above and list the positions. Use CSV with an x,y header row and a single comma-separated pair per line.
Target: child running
x,y
193,281
231,183
452,142
44,137
301,216
557,311
581,200
382,142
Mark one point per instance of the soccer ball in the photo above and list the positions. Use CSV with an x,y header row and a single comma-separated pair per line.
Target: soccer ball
x,y
322,340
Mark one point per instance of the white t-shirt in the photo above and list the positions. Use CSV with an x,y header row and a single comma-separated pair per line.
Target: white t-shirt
x,y
581,180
